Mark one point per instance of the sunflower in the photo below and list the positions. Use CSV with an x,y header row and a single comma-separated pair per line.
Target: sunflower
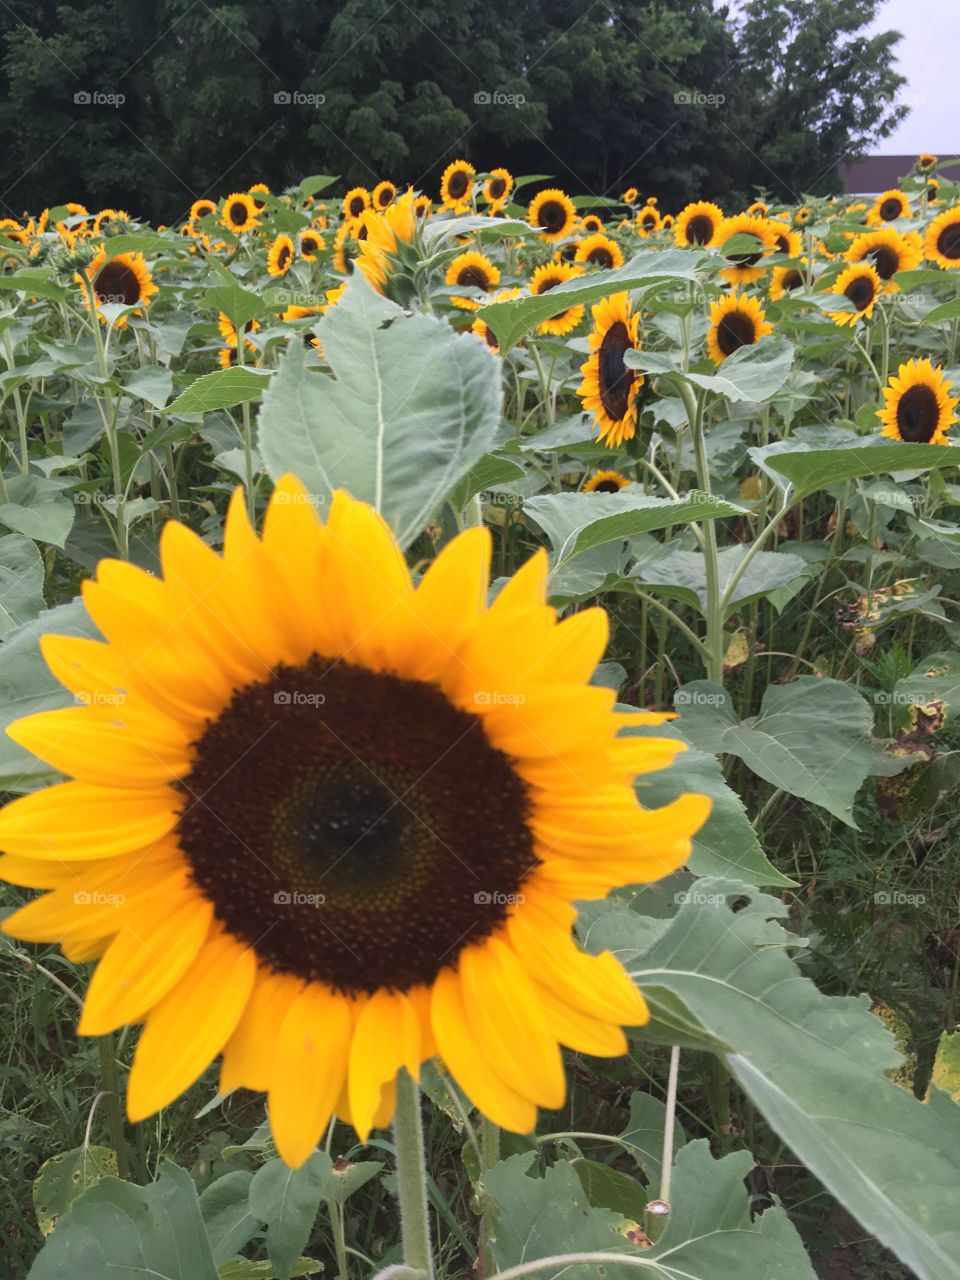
x,y
743,265
666,222
788,242
605,482
471,270
384,194
311,245
422,206
698,224
630,196
942,243
280,256
933,190
482,330
888,251
111,222
648,221
552,213
355,202
861,285
548,277
599,251
10,229
735,321
231,849
228,331
497,188
239,213
259,189
346,246
802,216
784,280
917,408
609,388
591,224
201,209
759,209
381,236
887,207
123,280
456,185
926,162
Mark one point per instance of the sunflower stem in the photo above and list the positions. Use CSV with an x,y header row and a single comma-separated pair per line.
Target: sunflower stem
x,y
412,1176
714,638
111,1092
489,1156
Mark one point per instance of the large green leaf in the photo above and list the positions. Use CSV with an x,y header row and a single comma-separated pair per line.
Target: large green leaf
x,y
815,1065
511,320
753,373
21,582
809,469
287,1200
811,738
225,1206
37,507
409,409
936,678
682,575
220,390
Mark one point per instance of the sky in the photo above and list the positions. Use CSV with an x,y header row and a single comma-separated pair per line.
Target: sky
x,y
928,55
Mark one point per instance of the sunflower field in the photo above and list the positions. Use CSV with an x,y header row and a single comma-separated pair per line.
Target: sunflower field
x,y
480,673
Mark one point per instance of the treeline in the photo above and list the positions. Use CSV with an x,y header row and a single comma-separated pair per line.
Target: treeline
x,y
148,104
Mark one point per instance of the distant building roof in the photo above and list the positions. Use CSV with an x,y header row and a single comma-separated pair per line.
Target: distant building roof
x,y
873,174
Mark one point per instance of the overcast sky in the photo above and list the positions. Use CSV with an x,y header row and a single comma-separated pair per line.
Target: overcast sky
x,y
929,57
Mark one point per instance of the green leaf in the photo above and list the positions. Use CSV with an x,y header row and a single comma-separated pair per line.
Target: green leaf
x,y
815,1066
811,738
946,1065
117,1229
511,320
682,575
152,383
37,507
220,390
316,183
935,679
752,373
643,1136
21,582
344,1182
242,1269
145,242
65,1177
491,470
238,304
287,1200
225,1206
809,469
35,282
576,522
409,409
608,1188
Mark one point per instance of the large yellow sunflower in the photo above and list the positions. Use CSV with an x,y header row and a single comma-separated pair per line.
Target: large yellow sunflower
x,y
380,236
746,265
887,207
552,212
280,256
498,186
609,388
917,407
735,321
698,224
471,270
942,241
456,184
861,285
334,832
123,281
548,277
239,213
889,252
355,202
599,251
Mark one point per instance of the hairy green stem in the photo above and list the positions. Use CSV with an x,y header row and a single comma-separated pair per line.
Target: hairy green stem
x,y
412,1176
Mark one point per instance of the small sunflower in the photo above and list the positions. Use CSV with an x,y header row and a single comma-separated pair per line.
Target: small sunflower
x,y
888,251
759,209
239,213
256,191
123,280
933,190
666,222
783,280
942,242
471,270
228,331
861,285
355,202
111,222
311,245
802,216
482,330
917,408
497,188
548,277
231,850
630,196
787,242
887,207
599,251
552,213
926,162
605,482
346,246
609,389
381,235
384,194
735,321
280,256
201,209
744,265
591,224
422,206
648,221
698,224
456,185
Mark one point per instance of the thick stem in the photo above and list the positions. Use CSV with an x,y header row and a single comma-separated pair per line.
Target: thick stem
x,y
111,1091
412,1176
714,609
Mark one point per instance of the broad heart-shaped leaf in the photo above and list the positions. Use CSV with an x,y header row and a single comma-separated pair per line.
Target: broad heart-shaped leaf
x,y
808,469
811,738
511,320
682,575
576,522
21,582
152,383
709,1234
287,1200
753,373
726,844
219,390
813,1064
118,1230
409,409
38,508
936,678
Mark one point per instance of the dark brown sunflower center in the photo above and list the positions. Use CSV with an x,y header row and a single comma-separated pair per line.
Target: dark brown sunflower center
x,y
117,283
354,828
238,213
792,280
918,414
357,206
497,188
699,229
783,244
567,254
649,220
932,191
309,245
457,186
490,338
552,216
886,260
473,276
891,209
734,331
948,241
600,256
607,486
615,378
860,292
283,257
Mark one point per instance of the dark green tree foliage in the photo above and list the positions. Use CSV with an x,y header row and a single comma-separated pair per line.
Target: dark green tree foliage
x,y
148,105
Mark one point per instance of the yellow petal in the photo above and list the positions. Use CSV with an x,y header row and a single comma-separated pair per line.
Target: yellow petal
x,y
108,749
76,821
386,1037
249,1053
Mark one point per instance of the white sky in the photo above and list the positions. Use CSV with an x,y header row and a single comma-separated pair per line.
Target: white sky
x,y
929,57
